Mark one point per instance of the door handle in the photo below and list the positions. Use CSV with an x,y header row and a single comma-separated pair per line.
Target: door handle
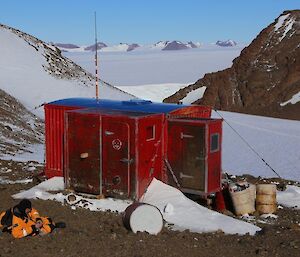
x,y
108,133
182,175
182,135
125,160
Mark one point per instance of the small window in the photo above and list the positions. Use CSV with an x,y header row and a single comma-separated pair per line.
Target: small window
x,y
150,133
214,143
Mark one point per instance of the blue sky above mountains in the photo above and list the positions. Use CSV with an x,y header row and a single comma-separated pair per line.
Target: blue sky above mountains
x,y
143,21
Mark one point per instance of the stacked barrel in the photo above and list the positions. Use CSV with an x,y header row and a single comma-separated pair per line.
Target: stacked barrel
x,y
266,198
248,198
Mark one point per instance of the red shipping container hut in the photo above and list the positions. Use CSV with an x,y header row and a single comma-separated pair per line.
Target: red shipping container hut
x,y
115,148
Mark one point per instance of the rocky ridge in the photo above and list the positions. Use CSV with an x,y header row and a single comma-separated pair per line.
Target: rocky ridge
x,y
57,65
18,126
263,79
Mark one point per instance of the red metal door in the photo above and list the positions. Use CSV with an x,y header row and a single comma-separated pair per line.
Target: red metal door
x,y
116,158
193,153
187,155
83,153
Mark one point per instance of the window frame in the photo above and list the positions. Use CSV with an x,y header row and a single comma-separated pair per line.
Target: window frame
x,y
153,133
211,142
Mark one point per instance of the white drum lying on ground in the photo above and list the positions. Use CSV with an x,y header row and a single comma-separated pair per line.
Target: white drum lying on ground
x,y
143,217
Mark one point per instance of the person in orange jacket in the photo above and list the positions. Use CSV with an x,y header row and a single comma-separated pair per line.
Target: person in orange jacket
x,y
22,220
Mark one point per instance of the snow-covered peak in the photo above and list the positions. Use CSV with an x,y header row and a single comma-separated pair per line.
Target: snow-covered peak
x,y
122,47
228,42
160,44
175,45
100,45
192,45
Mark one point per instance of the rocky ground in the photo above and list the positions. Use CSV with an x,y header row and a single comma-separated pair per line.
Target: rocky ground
x,y
103,234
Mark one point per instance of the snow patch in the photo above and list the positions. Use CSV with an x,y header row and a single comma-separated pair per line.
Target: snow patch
x,y
186,214
290,197
153,92
280,21
275,140
194,95
32,153
41,191
288,27
18,181
295,99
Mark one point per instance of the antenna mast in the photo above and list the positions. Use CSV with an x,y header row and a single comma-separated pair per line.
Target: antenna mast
x,y
96,57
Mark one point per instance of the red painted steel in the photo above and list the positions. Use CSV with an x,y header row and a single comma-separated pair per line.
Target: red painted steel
x,y
116,157
118,153
214,157
150,151
82,143
193,111
54,133
130,152
196,168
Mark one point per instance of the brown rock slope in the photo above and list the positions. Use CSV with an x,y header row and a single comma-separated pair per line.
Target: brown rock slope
x,y
263,78
19,128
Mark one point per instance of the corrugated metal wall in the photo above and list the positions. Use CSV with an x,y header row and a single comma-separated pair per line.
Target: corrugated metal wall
x,y
54,138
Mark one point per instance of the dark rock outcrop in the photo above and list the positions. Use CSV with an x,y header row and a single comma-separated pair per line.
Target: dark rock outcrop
x,y
132,47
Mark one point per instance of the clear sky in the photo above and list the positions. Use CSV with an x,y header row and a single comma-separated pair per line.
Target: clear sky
x,y
142,21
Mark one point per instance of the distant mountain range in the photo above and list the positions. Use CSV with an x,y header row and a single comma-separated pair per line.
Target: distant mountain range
x,y
125,47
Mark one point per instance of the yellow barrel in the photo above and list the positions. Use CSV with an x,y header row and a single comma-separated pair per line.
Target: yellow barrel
x,y
243,201
266,198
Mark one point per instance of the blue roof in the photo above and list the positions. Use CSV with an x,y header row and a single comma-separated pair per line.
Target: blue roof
x,y
131,105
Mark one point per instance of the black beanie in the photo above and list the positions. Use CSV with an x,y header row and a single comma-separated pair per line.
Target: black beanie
x,y
23,205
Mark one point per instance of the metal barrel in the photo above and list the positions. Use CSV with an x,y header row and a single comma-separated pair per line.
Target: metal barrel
x,y
143,217
266,198
243,201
